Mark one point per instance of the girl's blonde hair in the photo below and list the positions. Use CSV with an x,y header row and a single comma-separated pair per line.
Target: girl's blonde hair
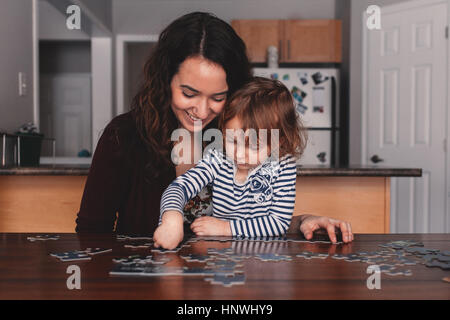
x,y
267,104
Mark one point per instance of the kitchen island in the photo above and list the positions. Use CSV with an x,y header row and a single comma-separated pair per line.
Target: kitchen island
x,y
47,198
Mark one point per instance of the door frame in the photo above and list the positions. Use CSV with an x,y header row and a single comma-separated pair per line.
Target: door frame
x,y
121,57
35,39
364,105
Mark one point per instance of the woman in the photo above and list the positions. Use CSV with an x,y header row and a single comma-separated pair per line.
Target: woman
x,y
197,63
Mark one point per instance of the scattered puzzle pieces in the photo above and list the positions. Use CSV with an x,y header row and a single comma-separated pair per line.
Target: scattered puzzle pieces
x,y
397,272
71,256
145,270
43,237
94,251
310,255
136,245
438,264
162,250
223,266
401,244
121,237
227,280
191,257
272,257
220,252
420,250
138,259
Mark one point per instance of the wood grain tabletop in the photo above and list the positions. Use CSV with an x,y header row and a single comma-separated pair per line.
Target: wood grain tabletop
x,y
29,272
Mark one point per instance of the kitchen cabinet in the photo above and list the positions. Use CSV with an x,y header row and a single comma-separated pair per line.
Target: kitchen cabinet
x,y
312,41
258,35
297,40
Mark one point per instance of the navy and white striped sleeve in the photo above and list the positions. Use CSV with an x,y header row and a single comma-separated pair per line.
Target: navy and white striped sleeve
x,y
189,184
278,219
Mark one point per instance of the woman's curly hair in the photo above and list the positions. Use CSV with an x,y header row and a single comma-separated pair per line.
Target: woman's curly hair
x,y
195,34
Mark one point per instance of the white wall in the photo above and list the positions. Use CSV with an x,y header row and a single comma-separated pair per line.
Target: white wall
x,y
151,16
102,86
16,47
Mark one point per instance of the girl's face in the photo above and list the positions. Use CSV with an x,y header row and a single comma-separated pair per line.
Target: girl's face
x,y
199,90
246,153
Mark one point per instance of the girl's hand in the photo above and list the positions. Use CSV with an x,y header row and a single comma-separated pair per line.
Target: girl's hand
x,y
210,226
170,232
311,223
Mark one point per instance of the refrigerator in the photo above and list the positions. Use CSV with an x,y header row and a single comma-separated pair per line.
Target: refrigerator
x,y
316,96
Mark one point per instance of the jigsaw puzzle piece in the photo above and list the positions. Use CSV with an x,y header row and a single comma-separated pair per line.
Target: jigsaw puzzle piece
x,y
71,256
191,257
438,264
397,272
226,280
43,237
94,251
272,257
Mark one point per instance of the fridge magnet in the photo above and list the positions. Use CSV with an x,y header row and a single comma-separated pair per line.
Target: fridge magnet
x,y
298,94
286,77
318,109
322,157
301,108
303,76
319,77
274,76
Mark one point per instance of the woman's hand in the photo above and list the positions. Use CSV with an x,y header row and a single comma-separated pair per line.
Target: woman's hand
x,y
310,223
210,226
170,232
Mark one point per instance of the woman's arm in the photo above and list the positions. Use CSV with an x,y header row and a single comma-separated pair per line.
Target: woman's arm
x,y
103,189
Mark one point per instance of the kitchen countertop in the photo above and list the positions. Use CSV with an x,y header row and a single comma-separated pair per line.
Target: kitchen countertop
x,y
320,171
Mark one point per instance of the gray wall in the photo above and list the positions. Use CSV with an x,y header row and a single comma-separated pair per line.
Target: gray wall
x,y
16,55
52,24
151,16
102,9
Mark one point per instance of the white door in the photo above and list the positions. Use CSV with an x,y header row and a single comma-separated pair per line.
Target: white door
x,y
405,87
66,112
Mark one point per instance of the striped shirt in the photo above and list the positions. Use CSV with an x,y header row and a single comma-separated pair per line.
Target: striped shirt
x,y
261,206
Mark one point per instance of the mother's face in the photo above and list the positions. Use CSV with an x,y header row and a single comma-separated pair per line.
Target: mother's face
x,y
199,91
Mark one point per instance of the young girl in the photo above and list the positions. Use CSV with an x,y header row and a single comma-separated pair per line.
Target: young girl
x,y
253,187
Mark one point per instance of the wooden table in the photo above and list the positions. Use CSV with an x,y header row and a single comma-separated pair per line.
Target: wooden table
x,y
28,272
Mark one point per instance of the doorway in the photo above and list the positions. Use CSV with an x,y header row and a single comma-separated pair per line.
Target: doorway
x,y
405,103
65,97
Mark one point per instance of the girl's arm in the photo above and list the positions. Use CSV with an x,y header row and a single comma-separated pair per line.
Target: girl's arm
x,y
170,230
277,221
189,184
